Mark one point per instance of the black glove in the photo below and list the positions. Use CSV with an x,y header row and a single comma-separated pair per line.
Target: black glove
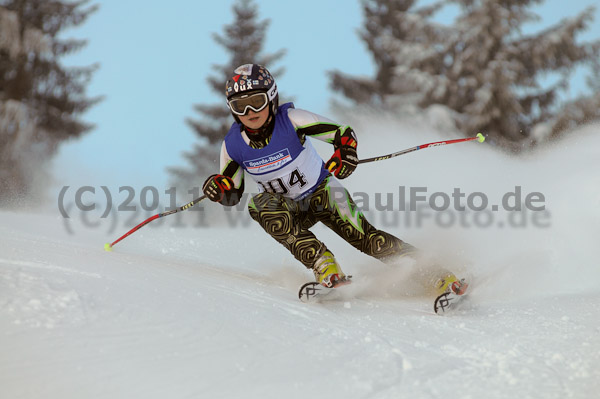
x,y
344,159
216,186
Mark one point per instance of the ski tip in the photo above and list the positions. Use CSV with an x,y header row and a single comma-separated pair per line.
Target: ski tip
x,y
107,247
309,290
442,303
480,137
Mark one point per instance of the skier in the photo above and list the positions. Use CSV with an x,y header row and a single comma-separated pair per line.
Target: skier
x,y
297,188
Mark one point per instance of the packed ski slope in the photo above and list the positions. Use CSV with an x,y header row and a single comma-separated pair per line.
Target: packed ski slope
x,y
212,312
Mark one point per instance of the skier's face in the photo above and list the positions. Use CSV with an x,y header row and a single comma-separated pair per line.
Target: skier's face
x,y
255,120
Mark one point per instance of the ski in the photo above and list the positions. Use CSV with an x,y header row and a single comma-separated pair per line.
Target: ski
x,y
314,291
447,301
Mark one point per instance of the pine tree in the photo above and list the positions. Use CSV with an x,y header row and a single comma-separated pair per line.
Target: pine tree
x,y
491,72
40,100
398,36
482,68
584,109
243,39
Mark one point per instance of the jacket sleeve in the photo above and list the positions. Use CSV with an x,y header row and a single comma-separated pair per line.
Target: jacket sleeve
x,y
232,169
319,127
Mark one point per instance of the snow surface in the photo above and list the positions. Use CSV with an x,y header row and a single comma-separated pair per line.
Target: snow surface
x,y
212,312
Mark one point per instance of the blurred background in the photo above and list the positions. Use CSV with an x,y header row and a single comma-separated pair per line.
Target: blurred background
x,y
130,93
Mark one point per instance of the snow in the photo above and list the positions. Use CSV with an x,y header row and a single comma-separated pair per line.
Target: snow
x,y
212,312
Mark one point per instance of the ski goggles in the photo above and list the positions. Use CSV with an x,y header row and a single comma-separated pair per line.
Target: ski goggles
x,y
256,102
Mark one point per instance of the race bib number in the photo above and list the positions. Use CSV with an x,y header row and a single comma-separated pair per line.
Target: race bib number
x,y
295,181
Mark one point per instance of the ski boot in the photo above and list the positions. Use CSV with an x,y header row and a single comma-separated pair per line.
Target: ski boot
x,y
451,291
328,272
452,284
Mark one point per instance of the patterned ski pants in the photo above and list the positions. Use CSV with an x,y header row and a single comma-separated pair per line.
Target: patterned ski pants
x,y
288,222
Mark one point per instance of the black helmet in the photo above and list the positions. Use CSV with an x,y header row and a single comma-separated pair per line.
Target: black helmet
x,y
247,80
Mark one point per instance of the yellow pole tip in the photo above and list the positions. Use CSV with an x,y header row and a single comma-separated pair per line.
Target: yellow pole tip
x,y
107,247
480,137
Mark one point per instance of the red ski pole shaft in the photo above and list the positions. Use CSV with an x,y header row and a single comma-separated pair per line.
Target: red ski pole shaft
x,y
480,137
108,247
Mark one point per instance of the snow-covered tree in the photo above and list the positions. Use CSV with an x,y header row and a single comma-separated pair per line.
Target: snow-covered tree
x,y
492,72
243,39
584,109
40,100
482,68
398,35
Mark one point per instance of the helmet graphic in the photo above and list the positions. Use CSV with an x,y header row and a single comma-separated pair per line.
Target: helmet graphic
x,y
251,87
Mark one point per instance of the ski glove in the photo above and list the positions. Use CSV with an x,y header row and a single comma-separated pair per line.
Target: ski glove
x,y
344,159
216,186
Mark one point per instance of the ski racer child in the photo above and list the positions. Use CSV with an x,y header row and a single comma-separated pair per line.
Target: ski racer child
x,y
270,143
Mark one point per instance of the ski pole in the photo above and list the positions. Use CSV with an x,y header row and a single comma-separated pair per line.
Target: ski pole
x,y
480,137
108,247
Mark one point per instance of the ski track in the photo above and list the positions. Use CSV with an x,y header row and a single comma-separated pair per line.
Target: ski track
x,y
179,314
